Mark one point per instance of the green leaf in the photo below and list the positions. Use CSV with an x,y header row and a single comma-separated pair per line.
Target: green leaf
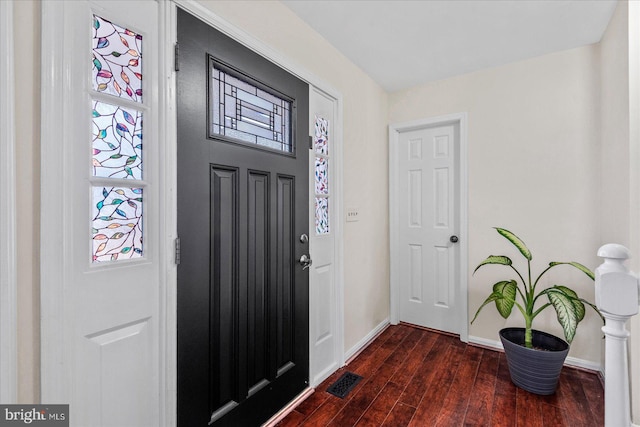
x,y
494,296
507,292
579,306
565,310
577,265
503,294
494,259
516,241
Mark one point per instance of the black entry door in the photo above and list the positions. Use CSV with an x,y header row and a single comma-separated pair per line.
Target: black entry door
x,y
242,208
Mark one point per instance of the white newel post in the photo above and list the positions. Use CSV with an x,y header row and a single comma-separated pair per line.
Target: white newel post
x,y
617,291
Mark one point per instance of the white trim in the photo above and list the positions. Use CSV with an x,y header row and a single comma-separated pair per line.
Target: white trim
x,y
54,379
394,134
169,166
569,361
354,351
8,273
338,206
256,45
168,358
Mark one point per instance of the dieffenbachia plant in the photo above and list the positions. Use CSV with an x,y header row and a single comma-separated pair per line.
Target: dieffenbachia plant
x,y
569,307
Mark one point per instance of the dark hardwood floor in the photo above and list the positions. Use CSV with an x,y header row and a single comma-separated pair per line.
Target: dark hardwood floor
x,y
416,377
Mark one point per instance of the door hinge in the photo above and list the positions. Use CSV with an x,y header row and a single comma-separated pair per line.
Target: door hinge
x,y
177,248
176,57
310,143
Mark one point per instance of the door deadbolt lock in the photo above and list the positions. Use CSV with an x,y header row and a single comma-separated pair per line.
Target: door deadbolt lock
x,y
453,239
304,238
305,261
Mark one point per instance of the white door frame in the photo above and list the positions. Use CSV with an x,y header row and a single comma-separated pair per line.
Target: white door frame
x,y
8,274
459,119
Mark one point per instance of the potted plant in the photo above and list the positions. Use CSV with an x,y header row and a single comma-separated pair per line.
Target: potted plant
x,y
535,358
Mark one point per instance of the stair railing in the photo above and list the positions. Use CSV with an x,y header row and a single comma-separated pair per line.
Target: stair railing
x,y
617,298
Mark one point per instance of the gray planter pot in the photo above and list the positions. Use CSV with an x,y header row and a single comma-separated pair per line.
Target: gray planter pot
x,y
534,369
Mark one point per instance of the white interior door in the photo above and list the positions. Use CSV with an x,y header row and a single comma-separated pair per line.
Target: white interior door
x,y
100,212
428,227
324,307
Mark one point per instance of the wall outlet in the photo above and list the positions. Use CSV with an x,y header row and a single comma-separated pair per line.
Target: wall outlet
x,y
353,215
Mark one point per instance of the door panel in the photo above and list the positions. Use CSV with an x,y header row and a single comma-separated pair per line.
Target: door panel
x,y
326,337
428,260
242,296
100,313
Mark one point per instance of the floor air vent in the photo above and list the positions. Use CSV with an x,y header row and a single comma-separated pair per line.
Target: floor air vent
x,y
344,385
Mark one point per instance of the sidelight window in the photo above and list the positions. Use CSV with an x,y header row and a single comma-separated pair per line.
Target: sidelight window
x,y
321,148
117,109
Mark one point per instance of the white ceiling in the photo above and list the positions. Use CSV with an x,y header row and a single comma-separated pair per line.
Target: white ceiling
x,y
405,43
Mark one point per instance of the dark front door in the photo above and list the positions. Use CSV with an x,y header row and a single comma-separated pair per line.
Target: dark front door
x,y
242,208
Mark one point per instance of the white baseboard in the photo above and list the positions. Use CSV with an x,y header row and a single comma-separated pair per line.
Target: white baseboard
x,y
570,361
364,342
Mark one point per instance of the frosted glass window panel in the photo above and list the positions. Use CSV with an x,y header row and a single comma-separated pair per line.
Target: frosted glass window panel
x,y
117,60
117,141
117,223
322,215
321,137
321,176
245,112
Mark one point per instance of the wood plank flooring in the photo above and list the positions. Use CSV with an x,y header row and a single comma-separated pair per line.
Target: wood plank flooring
x,y
414,377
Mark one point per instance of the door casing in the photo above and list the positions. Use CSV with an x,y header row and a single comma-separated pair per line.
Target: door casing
x,y
460,120
8,265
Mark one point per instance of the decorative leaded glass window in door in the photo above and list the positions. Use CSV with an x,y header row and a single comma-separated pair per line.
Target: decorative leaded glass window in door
x,y
243,110
321,186
117,111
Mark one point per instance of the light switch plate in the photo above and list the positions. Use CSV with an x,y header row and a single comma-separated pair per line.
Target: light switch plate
x,y
353,214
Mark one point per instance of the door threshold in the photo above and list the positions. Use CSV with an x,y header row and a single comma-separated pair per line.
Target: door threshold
x,y
280,415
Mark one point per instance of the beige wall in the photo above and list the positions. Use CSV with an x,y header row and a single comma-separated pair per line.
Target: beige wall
x,y
533,169
365,181
614,65
27,96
